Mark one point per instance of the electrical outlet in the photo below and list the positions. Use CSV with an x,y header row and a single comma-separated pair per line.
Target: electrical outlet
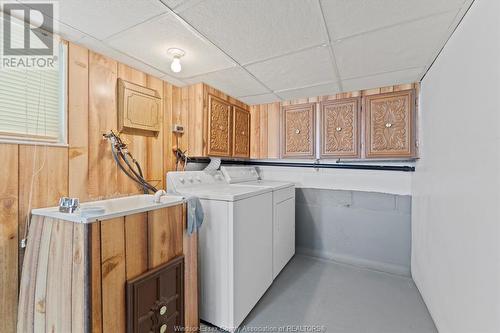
x,y
176,128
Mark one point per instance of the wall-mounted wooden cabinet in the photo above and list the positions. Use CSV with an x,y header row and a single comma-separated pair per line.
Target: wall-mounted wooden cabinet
x,y
340,128
139,108
216,124
390,125
298,124
376,123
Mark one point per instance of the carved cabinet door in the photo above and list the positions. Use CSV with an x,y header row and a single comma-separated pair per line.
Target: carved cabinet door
x,y
298,131
390,127
241,132
219,127
340,128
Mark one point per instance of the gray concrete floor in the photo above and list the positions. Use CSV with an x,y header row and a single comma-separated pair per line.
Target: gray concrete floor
x,y
313,295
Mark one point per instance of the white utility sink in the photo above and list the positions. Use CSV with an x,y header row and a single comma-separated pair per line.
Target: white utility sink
x,y
110,208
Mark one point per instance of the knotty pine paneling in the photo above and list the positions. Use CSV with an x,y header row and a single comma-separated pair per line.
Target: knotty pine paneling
x,y
255,131
85,169
192,104
154,144
136,240
9,237
103,172
78,121
265,131
163,223
113,274
43,179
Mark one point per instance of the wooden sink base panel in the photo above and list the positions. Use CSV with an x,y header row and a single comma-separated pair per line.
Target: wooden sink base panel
x,y
74,275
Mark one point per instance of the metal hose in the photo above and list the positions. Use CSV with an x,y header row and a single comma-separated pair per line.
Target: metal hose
x,y
120,153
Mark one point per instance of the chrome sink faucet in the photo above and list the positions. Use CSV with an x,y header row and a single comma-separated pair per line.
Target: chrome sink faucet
x,y
68,205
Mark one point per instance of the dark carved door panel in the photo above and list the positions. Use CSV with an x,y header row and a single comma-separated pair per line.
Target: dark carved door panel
x,y
155,300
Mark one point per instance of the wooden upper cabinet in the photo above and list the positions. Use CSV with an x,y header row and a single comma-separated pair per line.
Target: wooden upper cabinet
x,y
241,132
138,107
390,124
298,131
219,127
340,128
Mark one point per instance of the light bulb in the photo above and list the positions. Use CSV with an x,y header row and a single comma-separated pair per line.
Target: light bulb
x,y
176,65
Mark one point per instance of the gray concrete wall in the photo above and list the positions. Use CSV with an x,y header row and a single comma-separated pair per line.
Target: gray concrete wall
x,y
367,229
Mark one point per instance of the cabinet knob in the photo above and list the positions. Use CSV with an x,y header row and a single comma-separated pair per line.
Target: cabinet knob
x,y
338,129
163,310
297,131
388,125
243,133
163,328
221,127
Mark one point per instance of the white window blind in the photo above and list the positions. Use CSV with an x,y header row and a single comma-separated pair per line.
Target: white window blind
x,y
32,102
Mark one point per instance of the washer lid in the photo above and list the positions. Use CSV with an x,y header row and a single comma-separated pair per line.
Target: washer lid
x,y
225,192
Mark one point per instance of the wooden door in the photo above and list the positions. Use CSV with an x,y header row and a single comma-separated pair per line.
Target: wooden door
x,y
219,127
241,132
298,131
340,128
390,127
155,299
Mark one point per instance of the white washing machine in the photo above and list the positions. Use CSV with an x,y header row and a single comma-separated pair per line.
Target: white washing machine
x,y
283,211
235,242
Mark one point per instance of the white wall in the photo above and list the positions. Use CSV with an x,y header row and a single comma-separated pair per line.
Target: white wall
x,y
394,182
456,188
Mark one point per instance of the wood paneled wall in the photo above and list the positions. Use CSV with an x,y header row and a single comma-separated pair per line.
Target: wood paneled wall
x,y
36,176
265,131
265,119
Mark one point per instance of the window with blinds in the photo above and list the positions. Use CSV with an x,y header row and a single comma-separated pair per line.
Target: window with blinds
x,y
32,102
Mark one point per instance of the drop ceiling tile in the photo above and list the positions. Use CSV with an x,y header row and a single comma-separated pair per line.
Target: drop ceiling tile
x,y
259,99
313,91
385,79
104,18
63,30
173,3
104,49
301,69
150,41
405,46
233,81
68,33
251,31
346,18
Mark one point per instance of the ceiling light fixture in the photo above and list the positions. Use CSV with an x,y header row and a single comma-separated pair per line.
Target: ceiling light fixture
x,y
177,54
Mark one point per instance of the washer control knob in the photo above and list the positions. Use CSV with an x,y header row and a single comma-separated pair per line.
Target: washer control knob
x,y
181,180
